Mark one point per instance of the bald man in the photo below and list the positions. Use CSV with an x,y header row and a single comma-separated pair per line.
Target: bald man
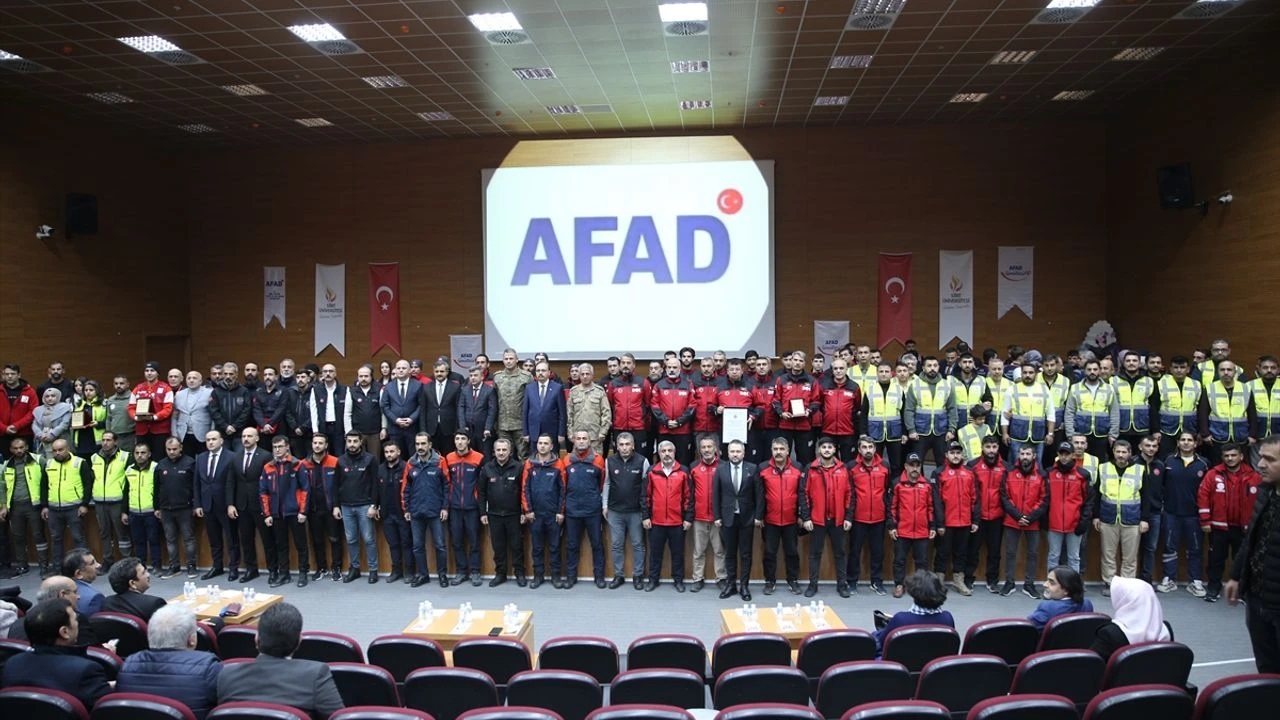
x,y
59,586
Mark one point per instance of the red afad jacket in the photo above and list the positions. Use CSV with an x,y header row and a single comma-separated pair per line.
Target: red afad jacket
x,y
911,511
781,493
1226,498
958,492
828,494
841,405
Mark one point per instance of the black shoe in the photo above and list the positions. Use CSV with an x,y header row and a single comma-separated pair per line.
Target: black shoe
x,y
768,588
728,591
444,579
536,582
600,583
993,587
651,585
1009,588
476,580
568,583
213,573
285,578
746,593
351,575
192,572
638,582
395,576
335,574
172,572
233,575
795,587
272,577
617,582
722,583
459,579
520,579
497,580
373,577
22,570
843,591
1213,595
418,581
303,580
878,588
679,586
250,575
1029,589
811,590
319,573
697,586
557,583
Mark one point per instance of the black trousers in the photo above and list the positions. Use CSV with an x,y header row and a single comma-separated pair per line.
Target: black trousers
x,y
221,532
192,445
758,442
399,536
1263,624
891,453
1220,543
872,536
953,545
788,535
936,443
250,525
666,536
846,446
507,536
323,529
464,525
991,536
833,530
738,541
919,550
281,529
802,443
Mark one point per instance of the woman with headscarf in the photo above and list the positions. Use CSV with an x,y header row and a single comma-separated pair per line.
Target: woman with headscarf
x,y
1136,617
52,420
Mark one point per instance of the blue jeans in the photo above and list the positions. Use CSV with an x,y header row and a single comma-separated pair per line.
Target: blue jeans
x,y
622,524
421,525
574,527
1148,553
1177,530
464,525
356,518
544,537
1072,542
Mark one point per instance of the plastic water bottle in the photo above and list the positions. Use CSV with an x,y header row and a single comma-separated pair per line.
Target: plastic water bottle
x,y
422,612
250,595
429,610
217,592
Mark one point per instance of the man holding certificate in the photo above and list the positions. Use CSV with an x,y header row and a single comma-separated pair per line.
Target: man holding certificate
x,y
735,403
795,400
150,407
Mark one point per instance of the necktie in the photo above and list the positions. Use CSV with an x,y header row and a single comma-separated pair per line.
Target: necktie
x,y
248,457
542,392
213,463
404,389
737,478
475,394
439,393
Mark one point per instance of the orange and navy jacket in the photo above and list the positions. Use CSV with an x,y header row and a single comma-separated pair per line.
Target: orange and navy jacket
x,y
542,487
666,500
957,488
320,482
781,493
912,511
1226,498
826,494
1070,499
583,484
283,488
425,486
673,400
706,394
1024,493
990,478
870,490
463,470
841,406
704,481
629,401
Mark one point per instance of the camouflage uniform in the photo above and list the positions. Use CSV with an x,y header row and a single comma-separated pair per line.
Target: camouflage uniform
x,y
589,410
510,385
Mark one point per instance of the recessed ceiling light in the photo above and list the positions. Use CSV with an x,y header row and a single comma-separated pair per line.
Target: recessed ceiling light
x,y
383,82
829,100
1137,54
435,116
1013,57
845,62
244,90
110,98
197,128
1073,95
971,97
695,104
149,44
490,22
690,66
530,73
564,109
1054,4
9,56
879,6
317,32
1204,9
313,122
683,12
874,14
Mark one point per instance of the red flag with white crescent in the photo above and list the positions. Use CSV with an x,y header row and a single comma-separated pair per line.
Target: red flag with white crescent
x,y
384,307
894,293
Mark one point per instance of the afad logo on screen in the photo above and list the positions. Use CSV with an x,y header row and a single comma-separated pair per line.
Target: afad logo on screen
x,y
641,250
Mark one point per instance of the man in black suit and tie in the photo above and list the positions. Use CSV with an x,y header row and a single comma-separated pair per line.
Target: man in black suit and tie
x,y
212,468
479,411
738,506
243,502
402,406
441,406
274,676
130,581
544,407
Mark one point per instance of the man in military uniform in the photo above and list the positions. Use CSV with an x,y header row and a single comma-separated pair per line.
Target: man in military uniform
x,y
589,408
510,382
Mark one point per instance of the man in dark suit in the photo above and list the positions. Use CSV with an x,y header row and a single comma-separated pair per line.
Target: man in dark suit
x,y
52,588
401,406
441,403
479,411
736,500
56,662
543,408
274,676
243,502
212,469
130,581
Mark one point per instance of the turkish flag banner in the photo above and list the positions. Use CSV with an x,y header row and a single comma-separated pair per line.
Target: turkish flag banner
x,y
893,321
384,307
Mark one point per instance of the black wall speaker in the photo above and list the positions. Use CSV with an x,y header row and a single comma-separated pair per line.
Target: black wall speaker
x,y
1174,184
82,214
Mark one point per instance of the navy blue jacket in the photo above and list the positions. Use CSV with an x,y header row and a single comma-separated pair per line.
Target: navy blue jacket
x,y
188,676
425,483
544,415
56,667
1181,483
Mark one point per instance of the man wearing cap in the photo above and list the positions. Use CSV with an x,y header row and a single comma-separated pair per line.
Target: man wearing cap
x,y
957,495
151,427
912,521
1070,507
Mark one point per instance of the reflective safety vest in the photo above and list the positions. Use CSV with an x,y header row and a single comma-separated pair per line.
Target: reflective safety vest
x,y
1089,463
1178,405
1208,371
971,436
864,379
884,411
997,394
1094,407
1058,390
931,407
108,479
1120,494
1135,410
96,412
65,487
139,488
1228,413
1027,419
1267,406
32,473
967,396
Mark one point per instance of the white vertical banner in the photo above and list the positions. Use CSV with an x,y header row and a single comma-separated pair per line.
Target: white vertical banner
x,y
829,336
273,295
955,296
463,350
331,308
1017,279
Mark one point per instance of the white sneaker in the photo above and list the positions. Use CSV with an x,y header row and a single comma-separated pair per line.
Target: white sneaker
x,y
1196,588
1166,585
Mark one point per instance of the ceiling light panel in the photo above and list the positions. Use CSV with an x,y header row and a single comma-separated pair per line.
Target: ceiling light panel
x,y
846,62
830,100
1137,54
1073,95
244,90
970,97
695,104
1013,57
317,32
435,116
493,22
680,67
313,122
110,98
532,73
149,44
683,12
197,128
383,82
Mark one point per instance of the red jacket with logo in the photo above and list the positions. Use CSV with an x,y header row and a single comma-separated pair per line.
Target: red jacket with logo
x,y
911,511
666,498
1070,499
841,406
958,492
1024,494
827,494
161,396
1226,498
763,393
21,412
629,401
870,490
738,396
704,479
706,391
781,493
673,401
990,478
796,387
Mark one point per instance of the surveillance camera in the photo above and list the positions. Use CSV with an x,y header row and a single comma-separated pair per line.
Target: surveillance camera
x,y
44,232
1226,198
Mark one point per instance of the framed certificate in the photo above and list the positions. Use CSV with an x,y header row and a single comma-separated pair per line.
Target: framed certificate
x,y
143,407
78,419
798,407
735,424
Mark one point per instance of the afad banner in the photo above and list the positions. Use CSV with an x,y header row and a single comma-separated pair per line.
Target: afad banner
x,y
1017,280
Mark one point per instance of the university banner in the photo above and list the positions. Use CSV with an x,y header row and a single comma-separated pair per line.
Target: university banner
x,y
829,336
955,296
463,350
272,295
893,319
384,307
331,308
1016,281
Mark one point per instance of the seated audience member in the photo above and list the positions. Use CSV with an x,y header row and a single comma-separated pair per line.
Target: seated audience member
x,y
1063,593
1136,617
276,677
927,596
81,566
52,588
56,662
130,581
172,667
